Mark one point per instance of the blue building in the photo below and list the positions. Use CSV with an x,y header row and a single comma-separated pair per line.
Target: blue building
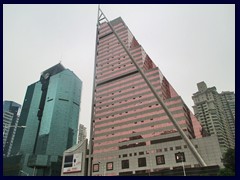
x,y
11,111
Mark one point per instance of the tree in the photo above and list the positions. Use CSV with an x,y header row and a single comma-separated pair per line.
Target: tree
x,y
229,163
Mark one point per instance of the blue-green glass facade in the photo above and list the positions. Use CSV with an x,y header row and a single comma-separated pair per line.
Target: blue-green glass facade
x,y
51,121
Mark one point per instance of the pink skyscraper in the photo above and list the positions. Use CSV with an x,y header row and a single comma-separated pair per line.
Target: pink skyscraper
x,y
130,132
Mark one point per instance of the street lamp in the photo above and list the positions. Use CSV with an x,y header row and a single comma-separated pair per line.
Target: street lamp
x,y
179,156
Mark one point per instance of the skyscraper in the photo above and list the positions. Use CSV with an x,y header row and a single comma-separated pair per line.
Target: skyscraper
x,y
228,102
11,111
130,131
51,112
82,133
216,112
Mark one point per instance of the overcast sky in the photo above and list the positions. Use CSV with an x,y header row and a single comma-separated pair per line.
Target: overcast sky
x,y
189,43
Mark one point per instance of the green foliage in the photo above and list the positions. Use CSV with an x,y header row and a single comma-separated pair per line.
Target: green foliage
x,y
226,172
229,163
229,159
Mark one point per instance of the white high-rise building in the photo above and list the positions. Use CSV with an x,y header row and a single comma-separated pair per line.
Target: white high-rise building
x,y
216,112
82,133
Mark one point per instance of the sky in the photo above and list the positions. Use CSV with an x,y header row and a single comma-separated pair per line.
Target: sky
x,y
189,44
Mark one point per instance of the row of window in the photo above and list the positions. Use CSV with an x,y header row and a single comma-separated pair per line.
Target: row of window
x,y
142,162
135,154
157,151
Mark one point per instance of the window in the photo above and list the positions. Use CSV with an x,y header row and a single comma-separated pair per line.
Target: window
x,y
142,162
165,149
141,153
160,160
68,161
180,157
49,100
171,148
95,167
124,155
178,147
125,164
158,150
109,166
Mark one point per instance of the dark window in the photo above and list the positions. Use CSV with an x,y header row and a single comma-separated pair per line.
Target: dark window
x,y
171,148
126,173
95,167
68,161
67,165
165,140
158,150
142,162
63,99
124,155
180,157
165,149
76,103
135,154
178,147
160,160
68,158
109,166
125,164
141,153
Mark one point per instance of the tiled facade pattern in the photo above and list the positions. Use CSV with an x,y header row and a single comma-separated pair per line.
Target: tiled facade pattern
x,y
127,117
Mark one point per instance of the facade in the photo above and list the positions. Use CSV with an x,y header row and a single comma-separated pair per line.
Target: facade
x,y
11,111
51,112
216,112
129,126
7,119
82,133
228,102
75,160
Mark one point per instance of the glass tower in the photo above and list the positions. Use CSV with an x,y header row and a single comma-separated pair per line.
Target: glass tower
x,y
51,109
